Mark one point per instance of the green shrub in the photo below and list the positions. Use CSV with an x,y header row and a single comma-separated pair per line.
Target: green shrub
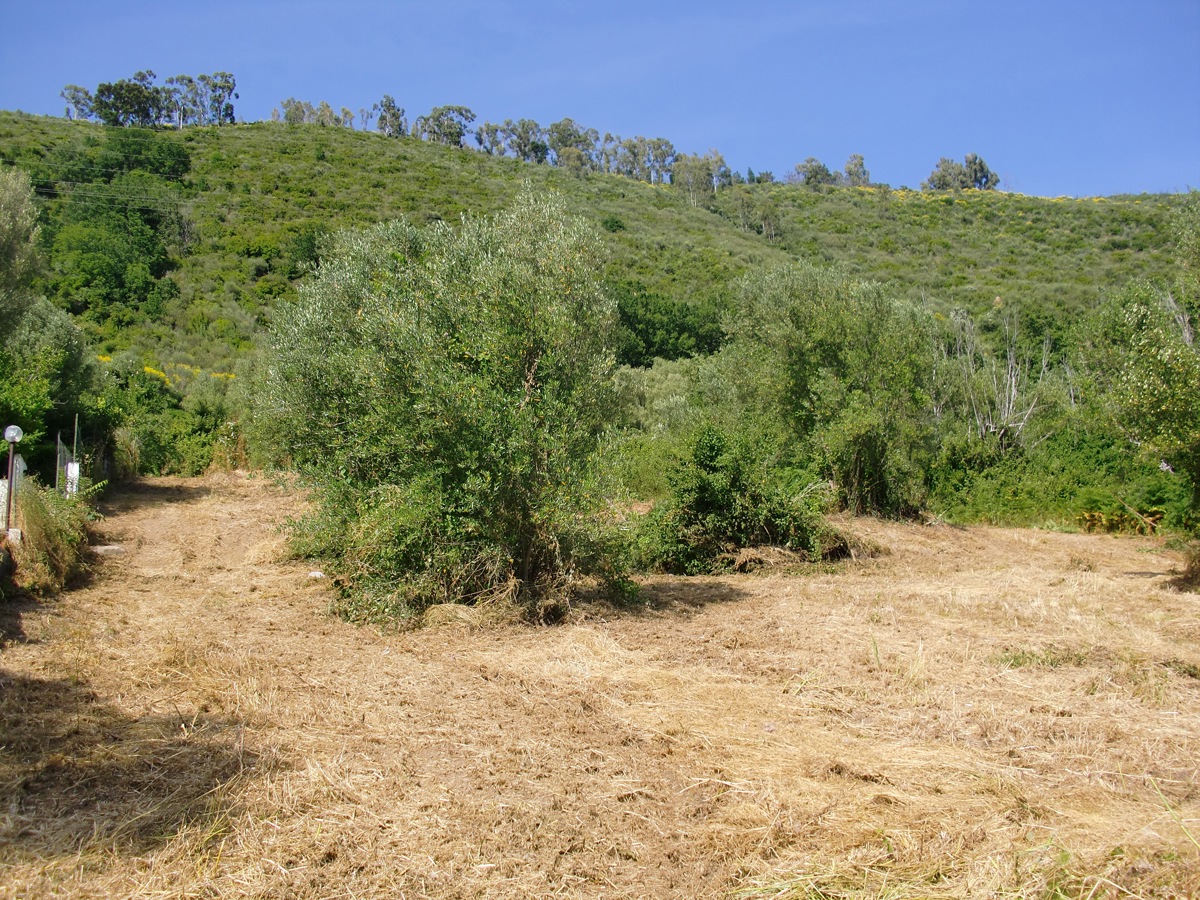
x,y
1081,475
725,497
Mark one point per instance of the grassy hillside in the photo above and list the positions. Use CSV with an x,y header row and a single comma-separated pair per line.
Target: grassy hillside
x,y
255,196
1054,256
255,199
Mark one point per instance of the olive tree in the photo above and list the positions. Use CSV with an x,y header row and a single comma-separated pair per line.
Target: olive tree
x,y
1151,363
445,390
847,371
1146,361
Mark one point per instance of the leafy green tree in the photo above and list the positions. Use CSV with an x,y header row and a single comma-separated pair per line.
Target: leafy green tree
x,y
137,101
654,327
955,176
813,173
633,158
573,146
132,101
607,152
856,171
79,101
445,391
326,116
45,370
700,176
447,125
183,100
948,175
1145,359
298,112
661,154
391,117
18,244
490,138
526,139
847,371
1152,364
979,176
219,90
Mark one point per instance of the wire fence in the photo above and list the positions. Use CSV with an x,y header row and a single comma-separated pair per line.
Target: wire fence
x,y
66,470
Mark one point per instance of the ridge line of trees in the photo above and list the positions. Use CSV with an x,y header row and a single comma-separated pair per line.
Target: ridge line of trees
x,y
138,101
208,100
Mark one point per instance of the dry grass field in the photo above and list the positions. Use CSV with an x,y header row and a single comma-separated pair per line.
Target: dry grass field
x,y
970,713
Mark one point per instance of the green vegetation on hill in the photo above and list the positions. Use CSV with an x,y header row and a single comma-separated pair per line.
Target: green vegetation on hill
x,y
249,209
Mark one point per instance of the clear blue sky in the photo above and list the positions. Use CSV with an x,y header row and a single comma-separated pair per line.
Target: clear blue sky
x,y
1075,97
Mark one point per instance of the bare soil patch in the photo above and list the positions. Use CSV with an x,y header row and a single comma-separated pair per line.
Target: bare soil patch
x,y
976,713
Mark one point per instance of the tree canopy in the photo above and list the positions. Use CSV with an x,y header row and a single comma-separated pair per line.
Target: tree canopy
x,y
138,101
972,172
445,390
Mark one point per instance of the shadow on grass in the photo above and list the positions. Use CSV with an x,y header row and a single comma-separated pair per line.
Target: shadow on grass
x,y
79,773
132,494
662,594
13,609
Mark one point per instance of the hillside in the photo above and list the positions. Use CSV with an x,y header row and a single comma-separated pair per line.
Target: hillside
x,y
977,712
253,200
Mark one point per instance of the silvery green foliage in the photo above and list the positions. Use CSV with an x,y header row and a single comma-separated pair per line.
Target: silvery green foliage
x,y
448,387
846,370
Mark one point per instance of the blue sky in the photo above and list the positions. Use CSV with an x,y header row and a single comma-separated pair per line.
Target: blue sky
x,y
1059,96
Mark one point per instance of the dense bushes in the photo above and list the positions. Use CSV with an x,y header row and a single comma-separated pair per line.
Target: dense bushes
x,y
653,327
847,371
162,425
725,495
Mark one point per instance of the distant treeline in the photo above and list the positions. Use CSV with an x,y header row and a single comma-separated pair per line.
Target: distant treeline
x,y
208,100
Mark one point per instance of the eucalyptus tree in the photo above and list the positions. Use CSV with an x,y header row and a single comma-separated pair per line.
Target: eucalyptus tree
x,y
526,139
219,90
183,100
700,176
813,173
391,117
137,101
661,156
856,174
490,138
447,125
1147,358
950,175
79,101
566,135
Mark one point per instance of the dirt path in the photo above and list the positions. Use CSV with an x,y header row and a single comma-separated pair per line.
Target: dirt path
x,y
977,713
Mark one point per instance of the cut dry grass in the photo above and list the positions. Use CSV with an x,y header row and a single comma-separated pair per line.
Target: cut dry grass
x,y
978,713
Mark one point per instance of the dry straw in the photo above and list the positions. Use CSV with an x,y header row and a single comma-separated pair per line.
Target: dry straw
x,y
979,713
